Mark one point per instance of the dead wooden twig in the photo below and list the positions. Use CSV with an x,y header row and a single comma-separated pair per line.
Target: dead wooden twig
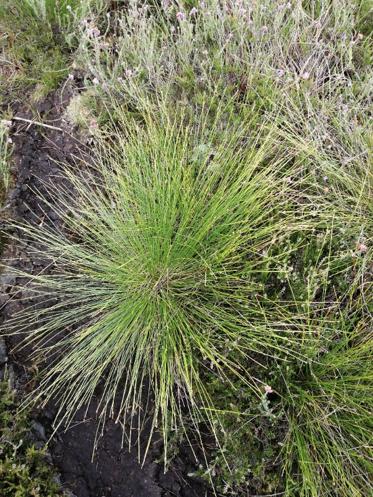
x,y
37,123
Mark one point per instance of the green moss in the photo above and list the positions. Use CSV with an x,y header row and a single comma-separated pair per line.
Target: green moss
x,y
250,428
24,471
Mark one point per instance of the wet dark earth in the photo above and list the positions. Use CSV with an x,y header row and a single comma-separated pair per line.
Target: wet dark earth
x,y
114,471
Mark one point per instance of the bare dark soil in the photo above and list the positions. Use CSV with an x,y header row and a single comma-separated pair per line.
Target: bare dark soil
x,y
114,472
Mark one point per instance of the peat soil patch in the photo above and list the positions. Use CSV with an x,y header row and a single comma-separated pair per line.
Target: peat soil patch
x,y
114,472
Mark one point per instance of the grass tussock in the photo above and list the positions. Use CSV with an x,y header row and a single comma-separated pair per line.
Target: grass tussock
x,y
330,420
173,230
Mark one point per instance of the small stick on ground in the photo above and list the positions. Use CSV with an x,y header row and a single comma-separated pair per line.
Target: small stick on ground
x,y
37,123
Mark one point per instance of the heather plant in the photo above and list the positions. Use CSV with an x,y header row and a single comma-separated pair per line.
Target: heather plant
x,y
261,51
309,431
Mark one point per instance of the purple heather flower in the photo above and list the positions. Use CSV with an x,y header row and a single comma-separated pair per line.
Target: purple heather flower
x,y
180,16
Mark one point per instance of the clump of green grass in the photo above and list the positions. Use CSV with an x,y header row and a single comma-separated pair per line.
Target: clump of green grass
x,y
328,449
154,275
